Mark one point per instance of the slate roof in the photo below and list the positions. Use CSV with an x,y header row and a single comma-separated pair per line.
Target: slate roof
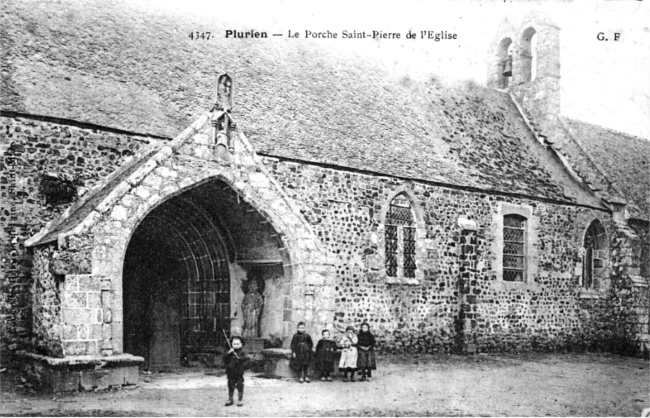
x,y
624,161
121,66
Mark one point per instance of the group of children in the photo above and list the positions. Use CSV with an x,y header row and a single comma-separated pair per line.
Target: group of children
x,y
357,353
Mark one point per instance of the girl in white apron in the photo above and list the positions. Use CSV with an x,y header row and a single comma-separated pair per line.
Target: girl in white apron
x,y
348,362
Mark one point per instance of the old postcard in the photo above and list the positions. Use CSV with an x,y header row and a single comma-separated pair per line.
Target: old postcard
x,y
285,208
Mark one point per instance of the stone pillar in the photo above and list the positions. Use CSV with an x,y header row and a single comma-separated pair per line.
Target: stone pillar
x,y
82,315
467,299
107,319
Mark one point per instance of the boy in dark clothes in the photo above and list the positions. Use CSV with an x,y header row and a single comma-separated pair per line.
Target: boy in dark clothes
x,y
325,354
236,362
366,361
301,346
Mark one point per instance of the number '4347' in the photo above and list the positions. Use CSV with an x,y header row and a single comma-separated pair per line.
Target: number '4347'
x,y
200,35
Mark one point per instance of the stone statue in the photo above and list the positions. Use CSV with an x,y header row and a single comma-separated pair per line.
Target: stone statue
x,y
252,308
224,93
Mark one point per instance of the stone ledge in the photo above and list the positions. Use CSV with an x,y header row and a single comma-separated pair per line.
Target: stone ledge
x,y
75,373
638,281
277,353
81,362
402,280
589,294
503,285
276,363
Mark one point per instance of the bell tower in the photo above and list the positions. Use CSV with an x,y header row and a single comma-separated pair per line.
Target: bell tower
x,y
524,58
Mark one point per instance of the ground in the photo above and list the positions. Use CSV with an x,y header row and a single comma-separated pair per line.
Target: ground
x,y
494,385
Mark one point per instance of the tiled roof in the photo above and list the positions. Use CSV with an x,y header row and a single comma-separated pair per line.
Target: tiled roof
x,y
623,160
125,67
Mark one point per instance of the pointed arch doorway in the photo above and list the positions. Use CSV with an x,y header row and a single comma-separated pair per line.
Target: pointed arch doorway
x,y
186,272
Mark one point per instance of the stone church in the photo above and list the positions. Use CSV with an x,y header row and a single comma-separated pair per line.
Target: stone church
x,y
161,192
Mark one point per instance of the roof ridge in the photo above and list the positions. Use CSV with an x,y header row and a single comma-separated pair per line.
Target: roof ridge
x,y
543,140
614,131
604,173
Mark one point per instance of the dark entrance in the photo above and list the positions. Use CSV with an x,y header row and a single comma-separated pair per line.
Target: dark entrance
x,y
186,261
176,285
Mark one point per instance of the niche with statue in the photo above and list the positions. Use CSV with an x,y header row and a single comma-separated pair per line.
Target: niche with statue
x,y
258,305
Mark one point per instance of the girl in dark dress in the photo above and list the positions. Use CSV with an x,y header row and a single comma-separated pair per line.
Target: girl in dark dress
x,y
366,362
325,354
301,346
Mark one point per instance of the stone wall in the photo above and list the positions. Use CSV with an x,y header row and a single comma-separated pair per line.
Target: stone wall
x,y
540,97
457,302
642,252
187,173
31,148
83,316
631,297
46,305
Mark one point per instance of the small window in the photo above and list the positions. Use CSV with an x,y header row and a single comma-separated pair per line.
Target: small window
x,y
400,238
514,248
593,263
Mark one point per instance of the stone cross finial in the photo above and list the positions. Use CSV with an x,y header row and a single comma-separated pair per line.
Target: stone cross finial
x,y
221,119
224,93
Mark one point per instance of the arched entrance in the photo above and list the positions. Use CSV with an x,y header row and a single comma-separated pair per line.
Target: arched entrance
x,y
187,269
169,245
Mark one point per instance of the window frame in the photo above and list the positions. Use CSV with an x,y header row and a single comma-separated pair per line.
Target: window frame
x,y
416,232
599,252
530,247
523,243
396,266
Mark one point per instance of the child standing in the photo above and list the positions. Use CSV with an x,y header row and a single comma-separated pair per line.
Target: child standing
x,y
325,355
236,362
366,361
301,346
348,362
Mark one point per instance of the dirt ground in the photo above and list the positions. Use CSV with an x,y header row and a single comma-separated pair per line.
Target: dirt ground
x,y
494,385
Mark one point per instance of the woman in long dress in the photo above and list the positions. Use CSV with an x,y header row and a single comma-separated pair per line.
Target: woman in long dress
x,y
366,361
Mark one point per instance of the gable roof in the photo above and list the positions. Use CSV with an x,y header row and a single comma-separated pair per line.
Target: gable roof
x,y
622,162
125,67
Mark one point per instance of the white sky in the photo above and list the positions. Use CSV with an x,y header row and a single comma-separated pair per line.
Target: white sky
x,y
606,83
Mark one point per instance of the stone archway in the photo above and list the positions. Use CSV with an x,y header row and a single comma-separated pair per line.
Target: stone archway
x,y
305,286
186,269
266,237
80,259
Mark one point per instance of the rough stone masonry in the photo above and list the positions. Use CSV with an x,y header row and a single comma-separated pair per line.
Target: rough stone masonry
x,y
452,218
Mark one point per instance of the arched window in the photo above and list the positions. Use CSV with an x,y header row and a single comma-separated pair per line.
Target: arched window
x,y
595,246
528,55
505,62
514,248
400,238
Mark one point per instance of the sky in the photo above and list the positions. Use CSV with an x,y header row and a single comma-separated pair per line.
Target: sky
x,y
603,82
